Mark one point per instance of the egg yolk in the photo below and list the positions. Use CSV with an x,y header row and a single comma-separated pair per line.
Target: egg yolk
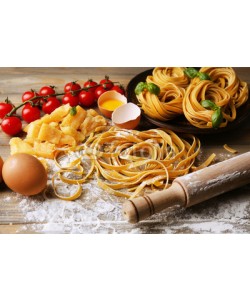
x,y
111,104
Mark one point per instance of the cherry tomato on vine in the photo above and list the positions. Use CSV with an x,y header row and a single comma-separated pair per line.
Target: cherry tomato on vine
x,y
119,89
29,95
71,87
71,99
86,98
50,105
11,125
30,113
107,83
5,108
99,91
47,90
92,84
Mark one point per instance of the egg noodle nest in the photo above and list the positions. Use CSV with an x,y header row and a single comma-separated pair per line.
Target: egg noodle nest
x,y
180,95
124,162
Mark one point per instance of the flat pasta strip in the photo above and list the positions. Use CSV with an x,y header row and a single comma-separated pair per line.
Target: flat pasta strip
x,y
229,149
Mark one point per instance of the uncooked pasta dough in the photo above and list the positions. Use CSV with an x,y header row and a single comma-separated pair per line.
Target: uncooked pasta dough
x,y
227,79
161,76
164,107
181,95
201,117
124,162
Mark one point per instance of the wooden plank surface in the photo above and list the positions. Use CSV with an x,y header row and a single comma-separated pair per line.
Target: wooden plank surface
x,y
98,212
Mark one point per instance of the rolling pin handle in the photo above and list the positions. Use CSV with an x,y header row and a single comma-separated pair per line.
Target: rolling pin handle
x,y
140,208
130,212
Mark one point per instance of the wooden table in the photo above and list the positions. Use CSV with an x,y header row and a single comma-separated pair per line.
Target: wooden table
x,y
98,212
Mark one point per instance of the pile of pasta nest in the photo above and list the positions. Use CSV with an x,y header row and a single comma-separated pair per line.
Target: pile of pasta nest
x,y
208,97
127,163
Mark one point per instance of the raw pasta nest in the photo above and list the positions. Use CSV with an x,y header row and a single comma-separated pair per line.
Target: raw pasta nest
x,y
161,76
199,116
166,106
125,162
227,79
181,96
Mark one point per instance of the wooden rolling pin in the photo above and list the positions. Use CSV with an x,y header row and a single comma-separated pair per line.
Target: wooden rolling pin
x,y
192,188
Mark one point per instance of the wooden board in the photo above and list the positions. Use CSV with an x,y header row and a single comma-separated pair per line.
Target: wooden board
x,y
228,213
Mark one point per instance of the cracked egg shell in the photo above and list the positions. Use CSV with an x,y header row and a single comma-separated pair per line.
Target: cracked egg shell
x,y
127,116
109,101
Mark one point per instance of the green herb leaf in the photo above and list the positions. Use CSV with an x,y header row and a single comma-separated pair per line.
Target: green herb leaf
x,y
141,86
73,111
203,76
153,88
209,104
217,118
190,72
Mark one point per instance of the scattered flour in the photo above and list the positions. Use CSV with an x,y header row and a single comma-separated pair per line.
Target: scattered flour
x,y
94,207
7,199
99,212
204,227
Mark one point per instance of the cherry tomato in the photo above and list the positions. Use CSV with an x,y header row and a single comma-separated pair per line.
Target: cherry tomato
x,y
11,125
5,108
119,89
29,95
71,87
99,91
71,99
30,113
47,91
90,83
107,83
50,105
86,98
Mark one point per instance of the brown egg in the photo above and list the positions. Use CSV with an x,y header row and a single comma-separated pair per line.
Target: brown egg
x,y
1,167
24,174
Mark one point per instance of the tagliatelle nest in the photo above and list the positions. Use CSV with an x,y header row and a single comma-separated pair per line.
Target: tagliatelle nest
x,y
125,162
181,95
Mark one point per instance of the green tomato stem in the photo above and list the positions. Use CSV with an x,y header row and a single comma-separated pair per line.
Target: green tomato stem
x,y
31,101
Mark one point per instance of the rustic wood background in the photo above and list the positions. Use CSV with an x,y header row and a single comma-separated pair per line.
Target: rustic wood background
x,y
97,212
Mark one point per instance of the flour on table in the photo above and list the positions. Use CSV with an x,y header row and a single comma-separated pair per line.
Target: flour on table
x,y
99,212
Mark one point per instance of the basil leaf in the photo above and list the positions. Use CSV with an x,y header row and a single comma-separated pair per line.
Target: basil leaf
x,y
141,86
73,111
209,104
153,88
217,118
203,76
190,72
